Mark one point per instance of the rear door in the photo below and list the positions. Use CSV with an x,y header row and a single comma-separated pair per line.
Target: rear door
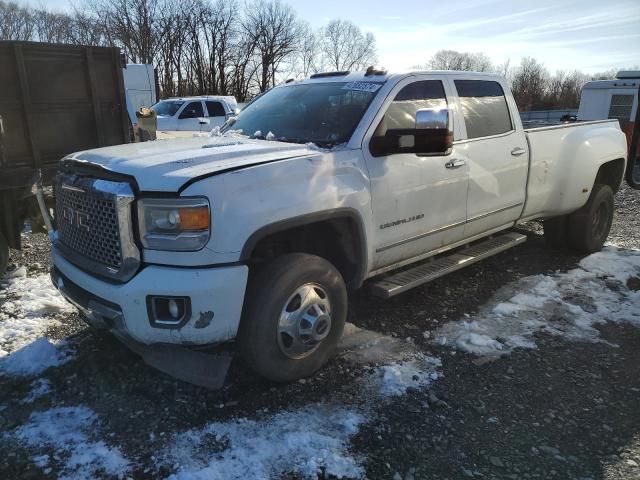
x,y
496,149
190,115
419,201
216,113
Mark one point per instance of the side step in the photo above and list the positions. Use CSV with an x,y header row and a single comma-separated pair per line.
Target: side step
x,y
402,281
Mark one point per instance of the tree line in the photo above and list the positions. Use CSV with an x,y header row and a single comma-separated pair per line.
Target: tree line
x,y
533,86
224,47
218,47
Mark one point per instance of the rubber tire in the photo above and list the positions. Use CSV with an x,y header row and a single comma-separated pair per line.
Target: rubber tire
x,y
266,295
4,255
580,223
556,232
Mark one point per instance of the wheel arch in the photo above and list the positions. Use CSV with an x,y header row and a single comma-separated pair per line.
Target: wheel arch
x,y
611,173
338,235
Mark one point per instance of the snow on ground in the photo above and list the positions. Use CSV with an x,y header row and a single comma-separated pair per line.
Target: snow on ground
x,y
568,304
394,379
30,307
304,442
36,357
66,431
39,388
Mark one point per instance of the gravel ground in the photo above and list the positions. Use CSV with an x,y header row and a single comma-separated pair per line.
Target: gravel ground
x,y
565,410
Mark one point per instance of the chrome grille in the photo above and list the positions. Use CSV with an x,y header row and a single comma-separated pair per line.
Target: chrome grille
x,y
88,224
93,225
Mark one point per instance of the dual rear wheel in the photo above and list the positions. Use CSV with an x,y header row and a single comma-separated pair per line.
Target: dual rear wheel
x,y
587,229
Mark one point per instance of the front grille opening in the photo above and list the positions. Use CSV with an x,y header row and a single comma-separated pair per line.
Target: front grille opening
x,y
88,224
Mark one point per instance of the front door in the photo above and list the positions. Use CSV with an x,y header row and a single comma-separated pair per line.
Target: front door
x,y
419,201
190,117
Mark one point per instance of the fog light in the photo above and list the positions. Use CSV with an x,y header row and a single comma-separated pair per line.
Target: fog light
x,y
168,312
174,310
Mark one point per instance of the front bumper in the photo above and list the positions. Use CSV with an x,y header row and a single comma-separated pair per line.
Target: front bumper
x,y
123,307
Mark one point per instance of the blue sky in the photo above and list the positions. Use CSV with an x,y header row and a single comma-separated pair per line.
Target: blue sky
x,y
589,35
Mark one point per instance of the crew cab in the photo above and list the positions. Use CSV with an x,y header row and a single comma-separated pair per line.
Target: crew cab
x,y
257,232
194,113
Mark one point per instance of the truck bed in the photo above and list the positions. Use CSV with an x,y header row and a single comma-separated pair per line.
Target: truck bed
x,y
555,155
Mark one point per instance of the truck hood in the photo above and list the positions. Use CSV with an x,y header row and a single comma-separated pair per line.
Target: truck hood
x,y
166,165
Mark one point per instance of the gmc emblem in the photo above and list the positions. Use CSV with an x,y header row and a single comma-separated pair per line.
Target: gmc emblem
x,y
78,219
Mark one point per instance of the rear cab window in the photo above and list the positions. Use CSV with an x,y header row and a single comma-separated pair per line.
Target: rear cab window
x,y
484,108
215,109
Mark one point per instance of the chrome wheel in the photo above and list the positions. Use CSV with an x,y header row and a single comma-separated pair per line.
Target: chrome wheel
x,y
305,321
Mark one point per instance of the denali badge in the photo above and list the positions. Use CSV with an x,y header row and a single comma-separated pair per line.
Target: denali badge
x,y
73,217
395,223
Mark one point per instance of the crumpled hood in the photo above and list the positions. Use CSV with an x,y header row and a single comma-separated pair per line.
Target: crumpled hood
x,y
166,165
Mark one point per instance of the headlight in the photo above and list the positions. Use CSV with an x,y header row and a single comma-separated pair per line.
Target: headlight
x,y
175,224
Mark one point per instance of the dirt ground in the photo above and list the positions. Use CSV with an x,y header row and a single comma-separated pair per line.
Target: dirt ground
x,y
564,410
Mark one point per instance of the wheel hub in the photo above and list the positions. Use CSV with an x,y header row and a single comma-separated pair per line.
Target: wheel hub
x,y
305,321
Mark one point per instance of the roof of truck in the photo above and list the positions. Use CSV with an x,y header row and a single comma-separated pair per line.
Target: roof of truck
x,y
383,76
205,97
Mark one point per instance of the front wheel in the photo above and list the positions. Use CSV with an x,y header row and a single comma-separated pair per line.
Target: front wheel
x,y
295,311
4,255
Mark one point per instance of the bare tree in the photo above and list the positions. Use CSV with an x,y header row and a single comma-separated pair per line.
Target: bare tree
x,y
276,31
345,47
131,24
308,58
463,61
16,22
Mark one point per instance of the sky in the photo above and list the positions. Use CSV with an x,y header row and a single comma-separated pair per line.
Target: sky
x,y
588,35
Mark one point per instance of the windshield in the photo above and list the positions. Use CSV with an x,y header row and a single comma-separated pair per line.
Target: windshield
x,y
167,108
321,113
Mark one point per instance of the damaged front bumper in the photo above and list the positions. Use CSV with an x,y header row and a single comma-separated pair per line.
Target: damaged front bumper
x,y
215,297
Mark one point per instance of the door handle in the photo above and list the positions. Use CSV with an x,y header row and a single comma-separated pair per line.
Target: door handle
x,y
516,152
455,163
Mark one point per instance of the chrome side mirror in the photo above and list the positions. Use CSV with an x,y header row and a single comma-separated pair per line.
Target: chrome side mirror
x,y
432,118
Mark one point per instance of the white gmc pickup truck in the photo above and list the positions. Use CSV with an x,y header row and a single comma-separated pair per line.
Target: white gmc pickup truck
x,y
257,231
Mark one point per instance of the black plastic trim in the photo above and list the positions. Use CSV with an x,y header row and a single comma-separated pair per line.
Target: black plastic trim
x,y
309,219
185,319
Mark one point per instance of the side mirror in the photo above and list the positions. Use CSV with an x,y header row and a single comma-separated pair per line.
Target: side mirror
x,y
431,136
432,119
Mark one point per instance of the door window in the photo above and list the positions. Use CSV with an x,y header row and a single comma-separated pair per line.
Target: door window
x,y
192,110
484,107
215,109
420,95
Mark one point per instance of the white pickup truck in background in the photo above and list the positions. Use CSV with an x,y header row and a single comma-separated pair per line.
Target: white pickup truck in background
x,y
256,233
194,114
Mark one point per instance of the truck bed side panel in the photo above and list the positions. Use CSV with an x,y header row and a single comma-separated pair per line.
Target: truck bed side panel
x,y
564,162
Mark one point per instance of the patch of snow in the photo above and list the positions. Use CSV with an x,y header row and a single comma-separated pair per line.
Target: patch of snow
x,y
39,388
65,430
270,136
35,358
567,304
30,307
394,379
317,148
302,442
257,134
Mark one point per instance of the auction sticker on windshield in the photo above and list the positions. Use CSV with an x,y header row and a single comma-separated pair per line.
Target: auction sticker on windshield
x,y
362,86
